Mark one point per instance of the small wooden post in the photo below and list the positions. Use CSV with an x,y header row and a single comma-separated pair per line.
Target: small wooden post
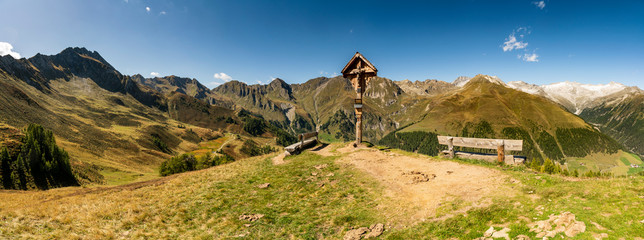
x,y
501,150
450,146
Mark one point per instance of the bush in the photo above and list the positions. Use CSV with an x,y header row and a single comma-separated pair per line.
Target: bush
x,y
160,144
188,162
548,166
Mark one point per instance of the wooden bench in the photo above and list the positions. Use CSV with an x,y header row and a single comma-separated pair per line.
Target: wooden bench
x,y
501,145
305,140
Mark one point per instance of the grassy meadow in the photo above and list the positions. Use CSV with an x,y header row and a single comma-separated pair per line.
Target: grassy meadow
x,y
307,199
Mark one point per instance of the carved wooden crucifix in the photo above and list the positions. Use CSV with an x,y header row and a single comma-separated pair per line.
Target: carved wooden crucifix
x,y
360,72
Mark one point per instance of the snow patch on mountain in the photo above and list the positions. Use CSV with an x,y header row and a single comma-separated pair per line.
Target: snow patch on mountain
x,y
461,81
575,96
526,87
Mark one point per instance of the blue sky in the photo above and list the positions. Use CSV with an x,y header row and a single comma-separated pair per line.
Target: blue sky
x,y
538,42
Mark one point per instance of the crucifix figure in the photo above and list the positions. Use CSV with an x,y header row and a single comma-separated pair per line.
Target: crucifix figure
x,y
359,71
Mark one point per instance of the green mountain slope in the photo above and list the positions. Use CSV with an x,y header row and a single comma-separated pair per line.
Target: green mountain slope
x,y
490,110
622,120
108,123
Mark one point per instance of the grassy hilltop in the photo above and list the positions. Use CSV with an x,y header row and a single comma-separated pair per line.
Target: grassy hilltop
x,y
326,194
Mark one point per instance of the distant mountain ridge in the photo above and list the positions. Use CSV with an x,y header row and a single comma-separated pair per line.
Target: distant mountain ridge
x,y
481,106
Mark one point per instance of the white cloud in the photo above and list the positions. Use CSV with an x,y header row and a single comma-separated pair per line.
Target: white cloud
x,y
162,13
154,74
260,82
223,76
7,49
531,57
540,4
147,9
511,43
126,1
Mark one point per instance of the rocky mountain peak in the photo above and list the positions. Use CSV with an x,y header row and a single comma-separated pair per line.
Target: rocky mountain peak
x,y
461,81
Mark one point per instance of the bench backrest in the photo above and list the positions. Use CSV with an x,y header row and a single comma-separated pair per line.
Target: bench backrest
x,y
510,145
308,135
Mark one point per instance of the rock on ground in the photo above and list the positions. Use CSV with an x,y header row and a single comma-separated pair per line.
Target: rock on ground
x,y
364,233
251,217
355,234
491,233
265,185
563,223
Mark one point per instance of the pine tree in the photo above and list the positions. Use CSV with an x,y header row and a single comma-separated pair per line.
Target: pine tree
x,y
5,159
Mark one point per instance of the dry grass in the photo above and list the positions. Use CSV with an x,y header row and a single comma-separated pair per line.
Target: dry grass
x,y
301,204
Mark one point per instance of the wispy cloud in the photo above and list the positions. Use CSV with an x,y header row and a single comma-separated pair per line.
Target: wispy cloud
x,y
260,82
147,9
162,13
126,1
7,49
222,76
540,4
530,57
154,74
512,43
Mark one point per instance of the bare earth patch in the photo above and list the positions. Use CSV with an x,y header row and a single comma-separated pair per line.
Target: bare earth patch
x,y
418,187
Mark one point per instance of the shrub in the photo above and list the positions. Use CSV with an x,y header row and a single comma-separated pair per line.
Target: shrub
x,y
548,166
160,144
188,162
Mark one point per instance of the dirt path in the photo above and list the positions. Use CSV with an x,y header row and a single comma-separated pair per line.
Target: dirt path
x,y
279,159
419,187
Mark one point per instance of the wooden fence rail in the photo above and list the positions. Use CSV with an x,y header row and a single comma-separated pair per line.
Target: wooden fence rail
x,y
501,145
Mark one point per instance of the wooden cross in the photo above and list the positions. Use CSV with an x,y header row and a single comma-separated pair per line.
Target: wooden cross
x,y
360,72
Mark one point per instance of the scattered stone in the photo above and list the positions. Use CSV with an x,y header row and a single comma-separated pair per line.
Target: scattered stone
x,y
250,217
419,177
563,223
320,185
321,166
375,231
355,234
600,227
330,175
314,173
450,172
587,208
364,233
489,232
642,221
247,225
263,186
286,153
521,237
600,236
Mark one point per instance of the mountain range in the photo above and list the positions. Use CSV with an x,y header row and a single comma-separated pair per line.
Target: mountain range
x,y
106,119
